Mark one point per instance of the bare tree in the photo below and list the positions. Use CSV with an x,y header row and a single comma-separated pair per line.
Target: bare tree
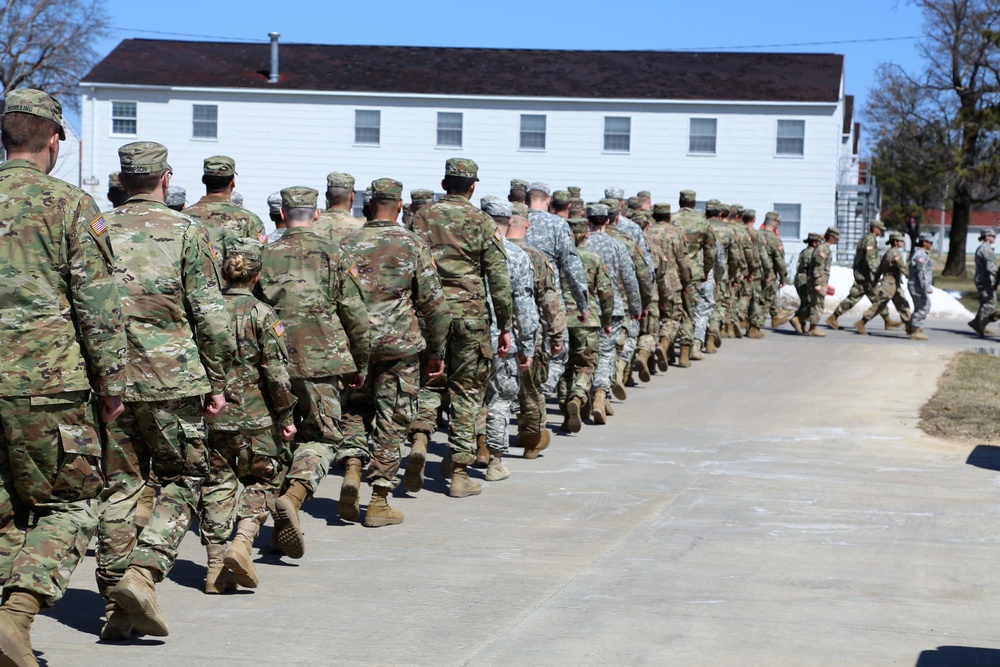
x,y
45,44
950,110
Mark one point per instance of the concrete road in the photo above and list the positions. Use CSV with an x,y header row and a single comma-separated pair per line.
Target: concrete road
x,y
775,504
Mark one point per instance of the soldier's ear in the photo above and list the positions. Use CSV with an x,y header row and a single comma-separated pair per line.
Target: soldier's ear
x,y
315,215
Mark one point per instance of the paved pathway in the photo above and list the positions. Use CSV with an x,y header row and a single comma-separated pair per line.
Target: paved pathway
x,y
774,505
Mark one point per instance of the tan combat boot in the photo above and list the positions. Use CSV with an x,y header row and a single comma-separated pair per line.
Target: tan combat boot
x,y
618,381
860,326
217,578
530,442
413,478
144,508
641,365
239,556
599,414
685,359
482,453
545,440
832,321
780,318
348,507
737,329
462,485
918,334
573,422
710,346
286,519
608,410
16,616
815,331
755,333
671,353
136,594
379,512
891,323
660,355
796,324
696,353
724,330
118,627
496,470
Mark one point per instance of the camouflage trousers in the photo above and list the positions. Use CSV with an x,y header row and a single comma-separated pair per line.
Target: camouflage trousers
x,y
383,409
468,363
721,311
256,459
921,306
756,314
428,399
501,392
584,349
557,365
769,292
608,354
672,314
649,328
742,295
805,303
881,302
817,302
628,339
987,305
531,416
166,438
319,439
706,302
50,468
859,290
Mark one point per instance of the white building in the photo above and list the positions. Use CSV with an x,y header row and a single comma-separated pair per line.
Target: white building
x,y
763,130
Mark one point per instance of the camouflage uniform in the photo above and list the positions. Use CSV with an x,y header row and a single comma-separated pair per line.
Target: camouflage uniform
x,y
985,279
866,261
584,337
335,223
316,294
62,336
467,248
730,264
245,443
399,283
819,278
222,216
775,250
673,276
701,256
645,279
744,281
921,280
615,256
802,282
180,348
889,278
757,313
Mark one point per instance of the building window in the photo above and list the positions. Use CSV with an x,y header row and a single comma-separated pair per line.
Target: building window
x,y
532,132
617,133
791,220
205,121
367,126
701,138
791,137
449,129
123,118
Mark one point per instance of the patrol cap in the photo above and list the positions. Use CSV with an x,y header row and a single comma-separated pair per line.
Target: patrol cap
x,y
387,188
114,180
338,179
634,203
878,224
643,194
538,186
561,197
723,207
749,213
299,197
486,199
597,210
772,215
574,190
925,237
574,201
519,208
898,236
252,249
642,217
616,193
989,231
812,237
36,103
832,231
462,167
498,209
579,224
661,209
176,196
274,203
614,205
422,196
713,204
518,185
143,157
220,165
736,208
688,196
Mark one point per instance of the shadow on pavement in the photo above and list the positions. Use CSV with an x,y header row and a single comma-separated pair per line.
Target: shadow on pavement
x,y
79,609
959,656
987,457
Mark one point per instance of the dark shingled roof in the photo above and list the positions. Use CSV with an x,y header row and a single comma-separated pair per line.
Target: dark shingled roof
x,y
767,77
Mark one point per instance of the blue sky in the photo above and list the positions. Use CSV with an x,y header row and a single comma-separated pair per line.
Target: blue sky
x,y
733,25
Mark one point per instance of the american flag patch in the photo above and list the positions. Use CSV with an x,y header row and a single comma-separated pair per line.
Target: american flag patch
x,y
354,270
262,237
99,226
498,234
279,328
211,248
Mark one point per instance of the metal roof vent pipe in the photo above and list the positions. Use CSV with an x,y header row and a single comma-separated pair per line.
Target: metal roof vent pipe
x,y
274,56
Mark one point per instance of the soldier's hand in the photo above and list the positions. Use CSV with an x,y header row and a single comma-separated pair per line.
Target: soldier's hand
x,y
930,290
355,380
288,432
583,316
523,363
111,408
607,329
556,347
820,289
215,404
435,367
503,343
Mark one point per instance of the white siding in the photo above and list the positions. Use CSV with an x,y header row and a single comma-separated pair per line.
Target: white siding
x,y
287,139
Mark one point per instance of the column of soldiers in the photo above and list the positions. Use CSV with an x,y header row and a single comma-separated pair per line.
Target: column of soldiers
x,y
164,362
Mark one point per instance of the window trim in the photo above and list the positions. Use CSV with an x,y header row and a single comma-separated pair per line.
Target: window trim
x,y
371,144
135,119
797,236
715,137
777,125
627,135
544,132
194,121
460,130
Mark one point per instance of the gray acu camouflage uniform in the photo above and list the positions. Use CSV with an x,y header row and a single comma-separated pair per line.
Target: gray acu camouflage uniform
x,y
920,282
615,256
